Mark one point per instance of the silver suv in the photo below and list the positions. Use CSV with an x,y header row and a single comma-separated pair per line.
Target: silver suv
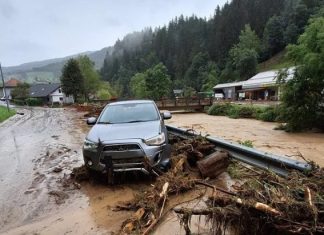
x,y
127,136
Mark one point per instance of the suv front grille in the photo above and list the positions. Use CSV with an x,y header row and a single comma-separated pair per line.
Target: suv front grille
x,y
119,148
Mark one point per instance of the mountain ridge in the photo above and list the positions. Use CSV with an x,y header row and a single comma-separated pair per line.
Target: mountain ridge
x,y
49,70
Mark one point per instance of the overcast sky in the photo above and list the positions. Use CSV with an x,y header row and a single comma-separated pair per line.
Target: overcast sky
x,y
34,30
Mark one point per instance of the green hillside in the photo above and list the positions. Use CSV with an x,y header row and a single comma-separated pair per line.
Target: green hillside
x,y
279,61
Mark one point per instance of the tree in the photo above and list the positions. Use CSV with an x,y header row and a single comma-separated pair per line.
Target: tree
x,y
210,77
90,75
138,86
158,82
21,91
244,55
72,80
194,76
274,35
105,91
303,96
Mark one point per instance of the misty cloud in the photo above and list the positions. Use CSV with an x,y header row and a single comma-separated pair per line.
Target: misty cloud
x,y
43,29
6,10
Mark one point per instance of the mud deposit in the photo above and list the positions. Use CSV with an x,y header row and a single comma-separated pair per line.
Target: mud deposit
x,y
37,150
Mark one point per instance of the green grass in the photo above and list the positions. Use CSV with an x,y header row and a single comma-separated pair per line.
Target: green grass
x,y
4,114
277,62
247,143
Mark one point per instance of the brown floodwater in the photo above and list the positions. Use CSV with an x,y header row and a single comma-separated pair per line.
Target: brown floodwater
x,y
262,135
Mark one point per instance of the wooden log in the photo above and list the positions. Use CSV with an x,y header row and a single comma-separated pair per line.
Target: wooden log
x,y
205,148
214,164
206,211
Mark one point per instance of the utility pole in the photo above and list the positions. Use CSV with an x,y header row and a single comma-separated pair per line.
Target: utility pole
x,y
4,89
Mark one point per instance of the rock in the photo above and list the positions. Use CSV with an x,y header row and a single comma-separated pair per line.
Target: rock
x,y
57,169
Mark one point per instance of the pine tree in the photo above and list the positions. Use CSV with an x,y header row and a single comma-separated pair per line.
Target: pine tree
x,y
72,80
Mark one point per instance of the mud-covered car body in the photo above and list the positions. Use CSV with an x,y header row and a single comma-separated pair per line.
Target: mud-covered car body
x,y
128,136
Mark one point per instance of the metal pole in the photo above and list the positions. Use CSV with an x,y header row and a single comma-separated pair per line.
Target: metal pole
x,y
4,89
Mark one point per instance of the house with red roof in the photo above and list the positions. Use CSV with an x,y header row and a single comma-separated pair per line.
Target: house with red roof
x,y
8,87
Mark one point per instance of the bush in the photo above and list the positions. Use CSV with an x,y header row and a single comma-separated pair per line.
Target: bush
x,y
268,114
19,102
219,109
103,94
34,102
233,111
246,112
242,111
247,143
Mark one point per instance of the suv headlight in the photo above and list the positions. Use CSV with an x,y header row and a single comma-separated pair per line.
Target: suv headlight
x,y
90,145
156,140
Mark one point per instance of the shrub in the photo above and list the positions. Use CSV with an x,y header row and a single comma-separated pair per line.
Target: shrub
x,y
246,112
104,94
267,114
219,109
270,114
19,102
34,102
233,111
242,111
247,143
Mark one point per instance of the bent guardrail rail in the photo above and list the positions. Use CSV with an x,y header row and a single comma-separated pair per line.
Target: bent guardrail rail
x,y
278,164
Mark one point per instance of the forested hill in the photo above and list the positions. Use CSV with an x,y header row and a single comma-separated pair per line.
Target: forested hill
x,y
199,53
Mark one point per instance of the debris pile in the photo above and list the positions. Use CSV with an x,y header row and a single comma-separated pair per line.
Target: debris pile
x,y
256,202
91,110
150,205
263,203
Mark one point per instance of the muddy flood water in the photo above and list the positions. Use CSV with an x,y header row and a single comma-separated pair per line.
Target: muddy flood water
x,y
39,149
262,135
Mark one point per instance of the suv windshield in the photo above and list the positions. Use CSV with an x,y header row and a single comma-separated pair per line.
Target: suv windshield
x,y
127,113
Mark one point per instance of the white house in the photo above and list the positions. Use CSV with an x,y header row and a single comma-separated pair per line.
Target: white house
x,y
50,93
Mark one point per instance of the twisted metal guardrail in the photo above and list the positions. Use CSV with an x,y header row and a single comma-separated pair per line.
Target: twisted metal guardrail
x,y
268,161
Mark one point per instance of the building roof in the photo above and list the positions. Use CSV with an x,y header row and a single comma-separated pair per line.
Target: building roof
x,y
11,83
266,79
225,85
263,79
43,90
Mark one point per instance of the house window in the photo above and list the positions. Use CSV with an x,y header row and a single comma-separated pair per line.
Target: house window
x,y
60,91
61,98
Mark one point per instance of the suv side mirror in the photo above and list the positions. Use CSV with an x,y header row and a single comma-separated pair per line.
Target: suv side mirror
x,y
166,115
91,121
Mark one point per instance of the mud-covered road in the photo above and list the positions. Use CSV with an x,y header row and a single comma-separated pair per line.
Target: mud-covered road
x,y
32,147
38,151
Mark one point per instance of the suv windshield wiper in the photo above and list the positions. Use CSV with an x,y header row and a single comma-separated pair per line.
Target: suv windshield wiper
x,y
138,121
104,123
